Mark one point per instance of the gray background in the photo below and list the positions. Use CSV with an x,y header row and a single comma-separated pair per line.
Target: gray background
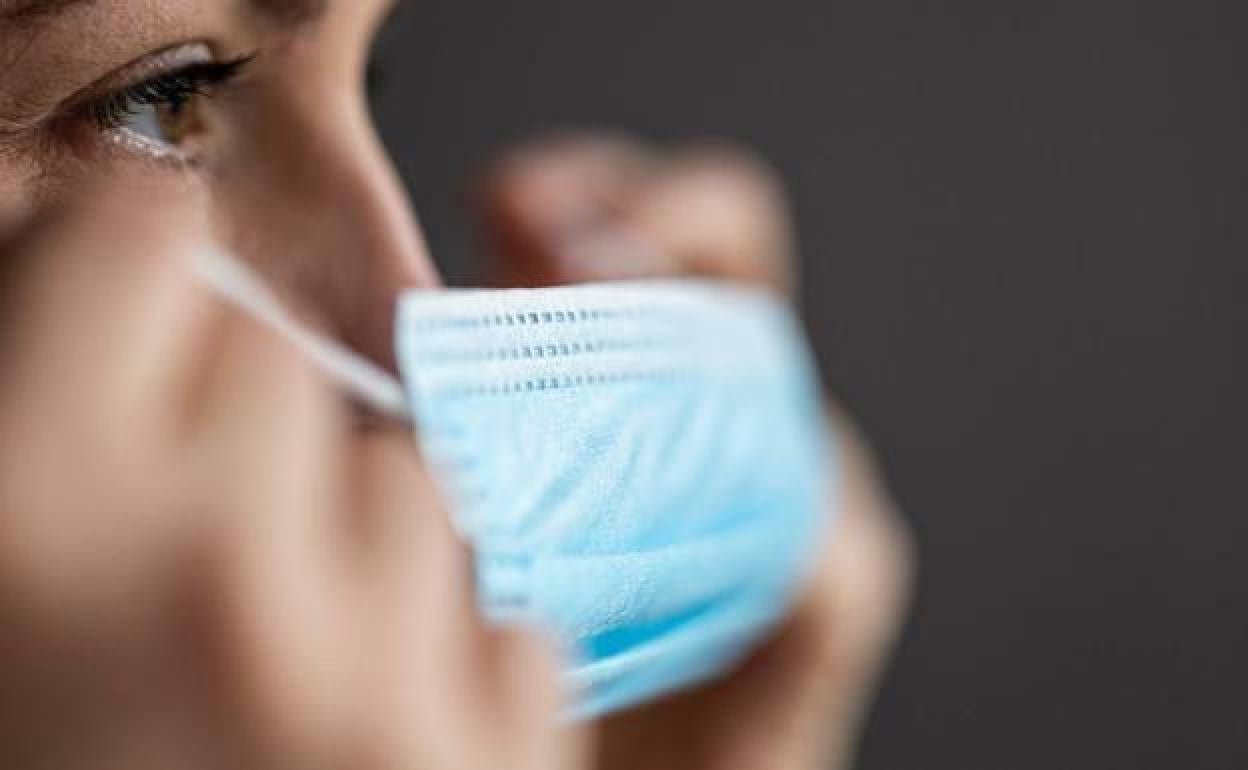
x,y
1024,233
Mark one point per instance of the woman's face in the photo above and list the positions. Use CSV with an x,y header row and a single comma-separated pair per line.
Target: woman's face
x,y
258,107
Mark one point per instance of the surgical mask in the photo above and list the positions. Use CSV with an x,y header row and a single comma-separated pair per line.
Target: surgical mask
x,y
639,468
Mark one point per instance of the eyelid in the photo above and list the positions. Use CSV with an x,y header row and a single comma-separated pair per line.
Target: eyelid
x,y
196,69
151,65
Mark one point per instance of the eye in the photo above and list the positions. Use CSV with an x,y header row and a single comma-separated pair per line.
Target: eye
x,y
163,112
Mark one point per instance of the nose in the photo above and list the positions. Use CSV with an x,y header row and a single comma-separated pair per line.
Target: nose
x,y
318,209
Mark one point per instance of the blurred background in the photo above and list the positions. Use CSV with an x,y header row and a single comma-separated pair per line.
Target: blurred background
x,y
1024,233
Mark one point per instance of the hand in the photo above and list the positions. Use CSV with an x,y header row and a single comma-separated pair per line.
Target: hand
x,y
203,562
578,208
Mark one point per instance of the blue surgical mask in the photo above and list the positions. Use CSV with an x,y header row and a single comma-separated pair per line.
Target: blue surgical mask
x,y
639,468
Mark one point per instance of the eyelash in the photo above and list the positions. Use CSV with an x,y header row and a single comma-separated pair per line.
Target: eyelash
x,y
172,89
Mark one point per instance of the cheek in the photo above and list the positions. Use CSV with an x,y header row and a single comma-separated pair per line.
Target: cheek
x,y
44,174
67,158
35,173
15,198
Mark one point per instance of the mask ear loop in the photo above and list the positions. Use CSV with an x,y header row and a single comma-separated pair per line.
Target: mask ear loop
x,y
363,380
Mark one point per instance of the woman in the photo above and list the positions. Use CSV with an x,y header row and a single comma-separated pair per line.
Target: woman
x,y
151,617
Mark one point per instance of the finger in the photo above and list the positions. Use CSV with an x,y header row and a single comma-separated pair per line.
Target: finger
x,y
829,653
602,208
555,209
868,574
721,213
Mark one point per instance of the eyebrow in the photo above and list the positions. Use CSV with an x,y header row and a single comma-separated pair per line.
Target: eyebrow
x,y
33,10
29,12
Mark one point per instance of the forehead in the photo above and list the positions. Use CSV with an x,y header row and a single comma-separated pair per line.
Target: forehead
x,y
33,11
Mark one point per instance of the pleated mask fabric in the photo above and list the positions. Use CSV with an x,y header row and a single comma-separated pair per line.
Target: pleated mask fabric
x,y
640,468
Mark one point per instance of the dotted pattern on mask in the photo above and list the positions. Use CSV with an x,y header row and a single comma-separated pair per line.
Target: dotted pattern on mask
x,y
556,383
535,318
545,350
437,336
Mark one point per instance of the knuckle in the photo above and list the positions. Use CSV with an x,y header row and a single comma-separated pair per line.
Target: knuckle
x,y
734,160
565,166
739,185
578,149
734,175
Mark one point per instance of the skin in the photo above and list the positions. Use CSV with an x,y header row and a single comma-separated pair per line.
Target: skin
x,y
231,574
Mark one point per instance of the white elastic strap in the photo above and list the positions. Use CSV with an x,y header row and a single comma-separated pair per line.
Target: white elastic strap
x,y
241,287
